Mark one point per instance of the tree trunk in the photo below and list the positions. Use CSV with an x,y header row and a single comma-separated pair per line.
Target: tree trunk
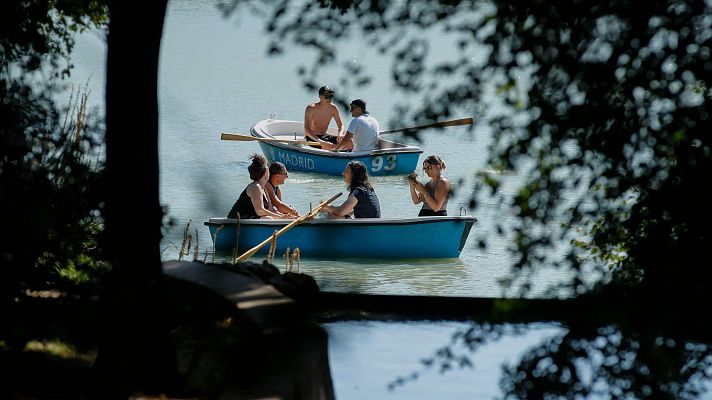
x,y
135,351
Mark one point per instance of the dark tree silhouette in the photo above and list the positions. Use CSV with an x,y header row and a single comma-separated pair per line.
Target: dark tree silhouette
x,y
135,349
49,165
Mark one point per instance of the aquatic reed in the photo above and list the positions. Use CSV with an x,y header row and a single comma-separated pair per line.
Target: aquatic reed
x,y
272,247
197,243
237,231
286,260
215,238
186,238
296,254
289,260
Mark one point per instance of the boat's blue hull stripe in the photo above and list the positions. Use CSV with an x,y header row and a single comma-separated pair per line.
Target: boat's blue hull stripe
x,y
420,239
381,164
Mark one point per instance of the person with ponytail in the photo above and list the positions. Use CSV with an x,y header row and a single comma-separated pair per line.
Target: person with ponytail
x,y
253,202
435,193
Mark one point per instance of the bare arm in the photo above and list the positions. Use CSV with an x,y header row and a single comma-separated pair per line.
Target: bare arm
x,y
441,193
339,122
255,192
278,203
416,196
346,208
344,142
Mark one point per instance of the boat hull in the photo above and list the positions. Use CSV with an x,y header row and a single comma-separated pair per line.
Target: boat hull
x,y
425,237
390,159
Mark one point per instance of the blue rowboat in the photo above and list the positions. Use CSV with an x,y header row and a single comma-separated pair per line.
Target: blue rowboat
x,y
390,158
403,238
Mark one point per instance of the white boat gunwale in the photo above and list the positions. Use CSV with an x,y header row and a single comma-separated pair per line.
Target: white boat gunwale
x,y
385,146
349,221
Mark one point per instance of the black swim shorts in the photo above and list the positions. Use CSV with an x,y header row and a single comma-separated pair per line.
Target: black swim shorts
x,y
326,138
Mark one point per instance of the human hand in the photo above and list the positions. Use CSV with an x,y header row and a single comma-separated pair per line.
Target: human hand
x,y
292,211
412,177
326,145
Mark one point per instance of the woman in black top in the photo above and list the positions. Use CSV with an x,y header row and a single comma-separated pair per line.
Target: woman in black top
x,y
362,200
253,201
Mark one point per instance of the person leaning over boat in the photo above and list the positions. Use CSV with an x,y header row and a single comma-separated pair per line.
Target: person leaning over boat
x,y
363,129
317,117
253,202
277,175
435,193
362,201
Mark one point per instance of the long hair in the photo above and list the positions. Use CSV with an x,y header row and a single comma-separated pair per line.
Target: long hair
x,y
435,160
359,175
258,166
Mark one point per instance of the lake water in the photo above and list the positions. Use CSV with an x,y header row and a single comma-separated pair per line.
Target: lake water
x,y
215,77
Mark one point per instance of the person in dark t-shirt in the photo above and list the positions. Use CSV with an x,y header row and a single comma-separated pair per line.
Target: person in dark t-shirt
x,y
362,201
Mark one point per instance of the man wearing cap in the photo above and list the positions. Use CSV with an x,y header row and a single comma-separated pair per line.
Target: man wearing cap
x,y
363,129
317,117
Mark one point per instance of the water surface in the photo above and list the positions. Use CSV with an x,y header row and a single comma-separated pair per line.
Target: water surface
x,y
215,77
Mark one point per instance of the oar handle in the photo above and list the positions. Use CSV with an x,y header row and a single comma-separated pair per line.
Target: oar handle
x,y
454,122
246,138
311,214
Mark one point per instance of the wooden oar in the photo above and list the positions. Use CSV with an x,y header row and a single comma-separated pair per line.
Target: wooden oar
x,y
311,214
454,122
246,138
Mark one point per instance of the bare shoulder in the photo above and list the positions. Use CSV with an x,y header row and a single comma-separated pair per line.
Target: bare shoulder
x,y
268,189
311,106
254,188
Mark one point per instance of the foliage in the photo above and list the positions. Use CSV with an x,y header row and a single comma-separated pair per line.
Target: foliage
x,y
49,161
583,363
36,33
604,109
607,363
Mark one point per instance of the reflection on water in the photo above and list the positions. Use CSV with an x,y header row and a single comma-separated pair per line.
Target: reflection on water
x,y
407,277
421,277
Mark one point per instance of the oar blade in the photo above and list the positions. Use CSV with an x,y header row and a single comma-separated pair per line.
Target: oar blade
x,y
458,122
235,136
454,122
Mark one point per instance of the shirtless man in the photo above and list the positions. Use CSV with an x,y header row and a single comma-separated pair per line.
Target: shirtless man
x,y
317,117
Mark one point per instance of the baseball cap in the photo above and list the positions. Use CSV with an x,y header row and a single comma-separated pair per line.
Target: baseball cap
x,y
359,103
325,89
